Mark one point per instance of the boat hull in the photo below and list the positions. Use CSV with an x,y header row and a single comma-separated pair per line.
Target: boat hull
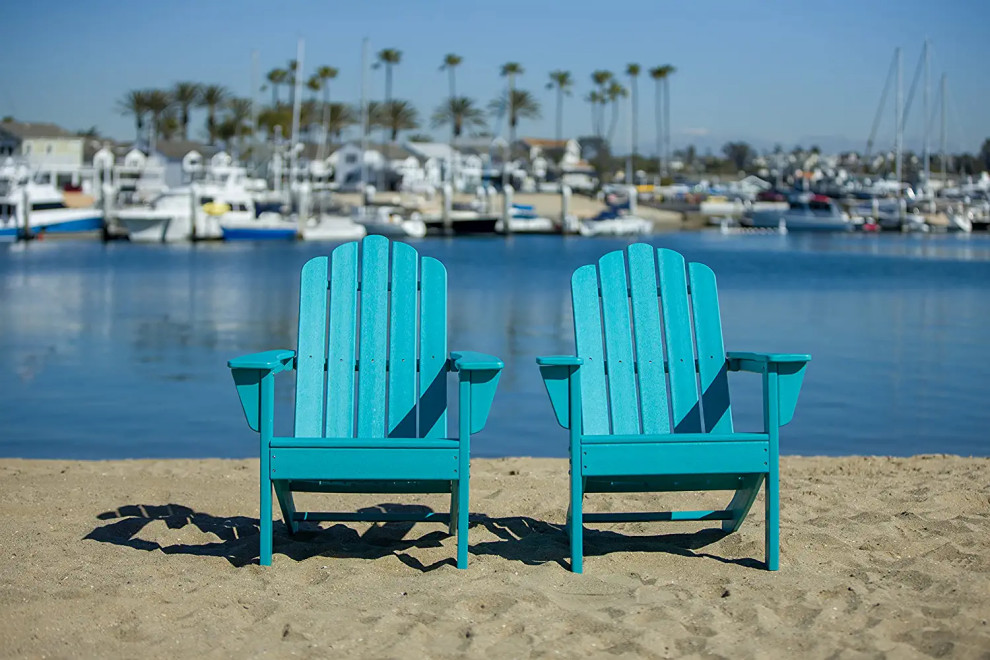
x,y
65,221
258,234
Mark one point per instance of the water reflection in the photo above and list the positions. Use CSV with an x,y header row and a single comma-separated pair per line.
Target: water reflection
x,y
119,350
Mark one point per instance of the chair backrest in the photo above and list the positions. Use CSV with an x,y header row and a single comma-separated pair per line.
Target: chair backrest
x,y
651,338
372,349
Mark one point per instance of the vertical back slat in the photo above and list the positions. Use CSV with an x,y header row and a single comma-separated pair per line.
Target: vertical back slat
x,y
402,343
711,351
343,341
618,344
374,338
680,351
433,349
649,348
311,348
588,338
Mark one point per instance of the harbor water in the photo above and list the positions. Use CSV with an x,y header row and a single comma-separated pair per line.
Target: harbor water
x,y
119,350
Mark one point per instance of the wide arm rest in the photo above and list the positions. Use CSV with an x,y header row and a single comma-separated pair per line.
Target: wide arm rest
x,y
789,368
557,372
559,361
749,361
248,370
268,360
473,361
480,373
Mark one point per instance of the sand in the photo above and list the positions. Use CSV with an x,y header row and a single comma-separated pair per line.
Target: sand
x,y
879,557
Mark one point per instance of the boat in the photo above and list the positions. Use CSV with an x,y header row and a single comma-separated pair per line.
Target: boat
x,y
42,204
523,219
332,227
805,212
389,221
163,220
618,218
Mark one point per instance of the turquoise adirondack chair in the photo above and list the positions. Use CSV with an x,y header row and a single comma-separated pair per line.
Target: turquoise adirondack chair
x,y
371,394
631,431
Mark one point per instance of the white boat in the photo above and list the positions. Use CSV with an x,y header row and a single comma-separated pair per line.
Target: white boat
x,y
804,213
617,219
332,227
218,207
524,220
388,221
45,208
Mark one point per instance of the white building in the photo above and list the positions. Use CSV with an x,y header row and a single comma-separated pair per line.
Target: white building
x,y
41,146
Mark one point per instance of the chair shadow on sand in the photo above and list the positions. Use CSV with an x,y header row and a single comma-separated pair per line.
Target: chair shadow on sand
x,y
521,538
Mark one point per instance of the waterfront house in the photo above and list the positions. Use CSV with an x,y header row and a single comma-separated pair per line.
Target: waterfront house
x,y
42,146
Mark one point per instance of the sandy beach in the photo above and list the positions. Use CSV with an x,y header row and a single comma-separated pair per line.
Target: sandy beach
x,y
879,557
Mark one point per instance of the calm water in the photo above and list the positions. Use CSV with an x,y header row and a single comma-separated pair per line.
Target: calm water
x,y
119,350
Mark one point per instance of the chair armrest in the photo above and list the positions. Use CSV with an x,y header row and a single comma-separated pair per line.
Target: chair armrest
x,y
279,360
473,361
248,370
559,361
557,372
480,372
789,369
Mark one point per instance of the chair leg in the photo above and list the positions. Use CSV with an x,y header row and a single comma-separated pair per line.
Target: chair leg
x,y
462,523
452,523
287,505
576,526
773,520
265,552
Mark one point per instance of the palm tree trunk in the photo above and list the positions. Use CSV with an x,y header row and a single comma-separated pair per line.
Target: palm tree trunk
x,y
659,118
185,122
635,118
512,112
560,112
274,95
666,119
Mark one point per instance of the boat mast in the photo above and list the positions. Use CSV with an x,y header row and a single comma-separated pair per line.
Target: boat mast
x,y
942,140
927,157
254,105
898,127
296,105
364,115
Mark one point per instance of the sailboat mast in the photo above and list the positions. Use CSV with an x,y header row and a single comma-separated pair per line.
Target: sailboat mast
x,y
296,104
364,113
898,128
927,155
942,140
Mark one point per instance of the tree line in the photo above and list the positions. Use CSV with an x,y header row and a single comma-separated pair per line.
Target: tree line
x,y
165,112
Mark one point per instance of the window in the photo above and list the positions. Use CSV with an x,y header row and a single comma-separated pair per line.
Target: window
x,y
48,148
27,148
205,200
350,159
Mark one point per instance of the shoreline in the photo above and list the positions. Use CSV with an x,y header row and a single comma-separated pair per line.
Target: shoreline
x,y
118,558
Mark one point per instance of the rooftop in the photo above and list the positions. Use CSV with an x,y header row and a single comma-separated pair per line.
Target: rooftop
x,y
24,130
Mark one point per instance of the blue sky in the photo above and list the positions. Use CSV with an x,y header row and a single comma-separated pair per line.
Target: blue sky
x,y
789,72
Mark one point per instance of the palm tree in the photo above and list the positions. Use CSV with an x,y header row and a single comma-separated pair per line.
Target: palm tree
x,y
519,104
563,82
451,62
339,117
212,97
135,102
599,98
633,70
326,74
399,116
388,58
276,77
670,70
239,112
459,112
290,80
658,73
186,95
270,118
169,125
613,93
510,70
309,110
376,117
158,102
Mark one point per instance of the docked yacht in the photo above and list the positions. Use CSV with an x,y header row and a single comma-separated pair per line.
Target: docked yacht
x,y
619,218
804,213
220,206
389,221
331,227
31,206
523,219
